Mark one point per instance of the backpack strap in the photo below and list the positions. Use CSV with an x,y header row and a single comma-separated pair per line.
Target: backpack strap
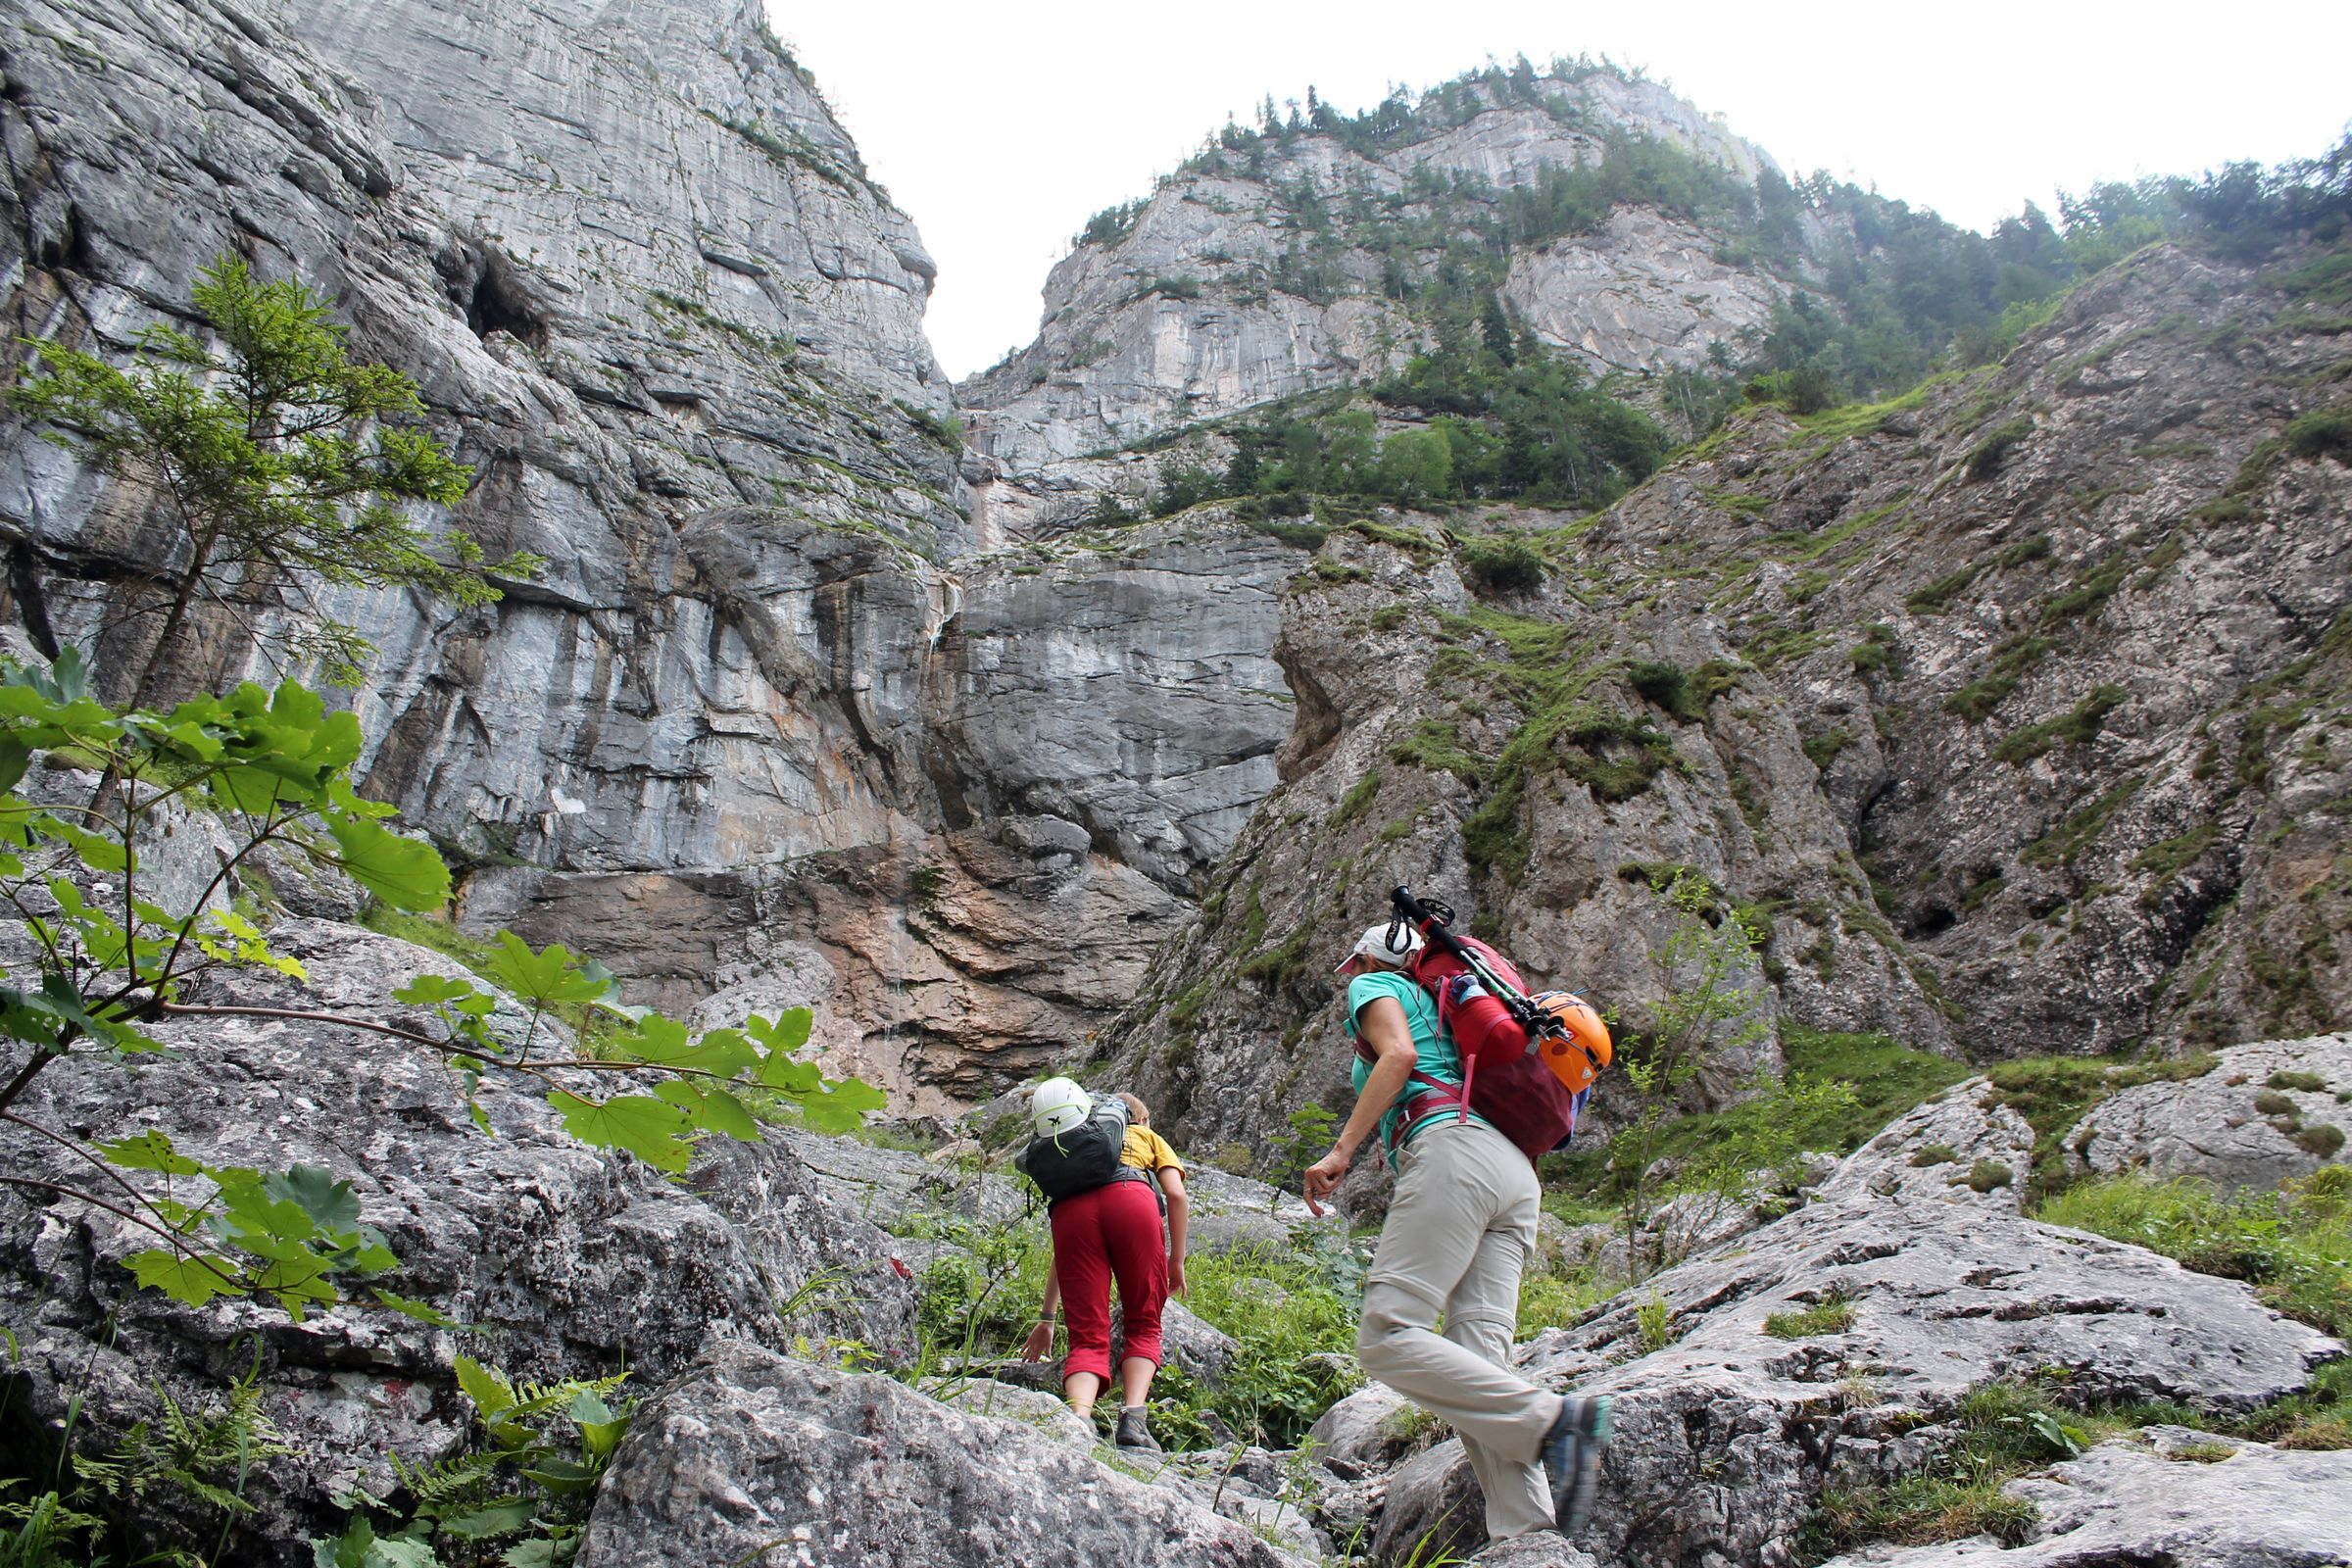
x,y
1443,1095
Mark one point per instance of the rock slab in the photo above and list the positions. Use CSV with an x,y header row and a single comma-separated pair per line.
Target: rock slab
x,y
752,1452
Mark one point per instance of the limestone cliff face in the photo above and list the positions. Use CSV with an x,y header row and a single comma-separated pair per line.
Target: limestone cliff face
x,y
648,289
641,284
1241,281
2011,709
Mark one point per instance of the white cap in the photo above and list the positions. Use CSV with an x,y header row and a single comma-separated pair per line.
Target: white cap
x,y
1392,942
1056,1105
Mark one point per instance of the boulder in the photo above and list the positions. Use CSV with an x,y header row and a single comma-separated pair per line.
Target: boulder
x,y
1361,1432
2266,1114
563,1260
1433,1513
2179,1499
1725,1434
1539,1549
1234,1211
1047,1414
752,1450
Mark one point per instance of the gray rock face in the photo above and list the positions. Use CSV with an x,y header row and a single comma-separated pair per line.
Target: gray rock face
x,y
1127,686
752,1450
2172,1501
1646,293
1229,288
2234,1127
564,1261
711,166
646,289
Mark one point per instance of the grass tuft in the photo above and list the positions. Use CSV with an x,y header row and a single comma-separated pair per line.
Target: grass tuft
x,y
1834,1316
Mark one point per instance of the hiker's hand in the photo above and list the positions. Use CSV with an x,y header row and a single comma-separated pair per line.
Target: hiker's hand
x,y
1175,1276
1321,1177
1040,1343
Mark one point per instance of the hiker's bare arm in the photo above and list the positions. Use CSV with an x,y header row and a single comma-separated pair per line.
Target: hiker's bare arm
x,y
1180,1221
1382,1026
1040,1343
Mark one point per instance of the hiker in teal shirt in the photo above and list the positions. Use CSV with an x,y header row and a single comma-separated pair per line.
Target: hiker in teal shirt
x,y
1462,1226
1434,1055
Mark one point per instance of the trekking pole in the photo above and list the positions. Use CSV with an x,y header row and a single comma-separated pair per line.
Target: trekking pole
x,y
1431,921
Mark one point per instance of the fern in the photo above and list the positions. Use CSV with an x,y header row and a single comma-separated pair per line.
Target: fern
x,y
543,1448
460,1481
49,1533
205,1454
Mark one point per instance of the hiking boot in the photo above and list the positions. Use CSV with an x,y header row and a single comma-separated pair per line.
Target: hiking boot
x,y
1571,1455
1133,1433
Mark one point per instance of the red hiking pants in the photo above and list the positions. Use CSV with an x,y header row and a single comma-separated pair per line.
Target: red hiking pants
x,y
1113,1230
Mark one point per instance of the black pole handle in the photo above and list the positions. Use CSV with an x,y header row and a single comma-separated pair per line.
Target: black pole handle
x,y
1434,930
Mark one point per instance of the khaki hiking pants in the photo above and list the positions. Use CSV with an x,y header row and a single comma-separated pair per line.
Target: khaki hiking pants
x,y
1460,1230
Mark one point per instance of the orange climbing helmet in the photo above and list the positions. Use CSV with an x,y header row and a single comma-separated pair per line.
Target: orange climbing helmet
x,y
1576,1044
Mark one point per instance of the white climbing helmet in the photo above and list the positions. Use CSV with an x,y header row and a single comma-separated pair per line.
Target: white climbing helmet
x,y
1056,1105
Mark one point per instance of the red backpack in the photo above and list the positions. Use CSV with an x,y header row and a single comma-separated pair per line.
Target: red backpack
x,y
1533,1093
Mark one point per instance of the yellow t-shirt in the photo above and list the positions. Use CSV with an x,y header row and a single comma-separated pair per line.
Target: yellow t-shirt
x,y
1146,1151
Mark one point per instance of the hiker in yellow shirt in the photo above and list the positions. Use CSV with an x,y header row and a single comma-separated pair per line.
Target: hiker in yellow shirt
x,y
1093,1242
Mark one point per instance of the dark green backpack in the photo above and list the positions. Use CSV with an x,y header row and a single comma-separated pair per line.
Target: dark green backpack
x,y
1083,1158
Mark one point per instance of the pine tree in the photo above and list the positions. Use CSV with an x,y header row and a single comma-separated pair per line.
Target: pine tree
x,y
277,460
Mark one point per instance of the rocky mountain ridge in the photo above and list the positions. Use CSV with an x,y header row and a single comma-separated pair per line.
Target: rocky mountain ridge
x,y
1254,275
777,728
2006,740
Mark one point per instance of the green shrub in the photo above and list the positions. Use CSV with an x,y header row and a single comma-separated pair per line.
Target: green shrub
x,y
1356,801
1670,687
2308,1082
1935,597
1436,746
2271,1103
2322,1139
2323,433
2012,661
2163,859
2078,726
1654,1318
1985,458
1987,1175
1935,1154
1501,562
1876,651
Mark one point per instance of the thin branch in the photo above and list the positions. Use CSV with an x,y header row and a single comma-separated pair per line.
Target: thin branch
x,y
538,1069
76,1147
267,834
179,1242
42,1057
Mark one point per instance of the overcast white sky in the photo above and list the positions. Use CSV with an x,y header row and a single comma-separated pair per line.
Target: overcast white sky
x,y
1000,126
